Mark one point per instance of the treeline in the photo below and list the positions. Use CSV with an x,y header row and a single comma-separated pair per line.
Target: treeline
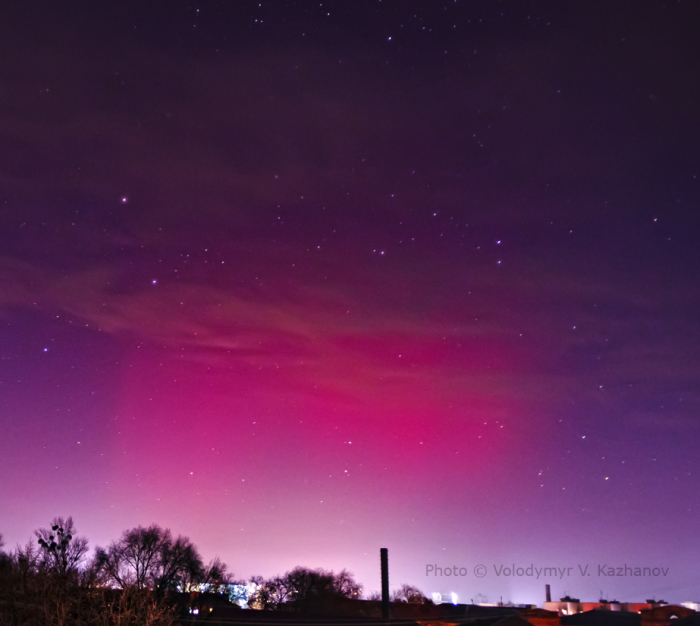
x,y
307,591
148,577
134,581
303,590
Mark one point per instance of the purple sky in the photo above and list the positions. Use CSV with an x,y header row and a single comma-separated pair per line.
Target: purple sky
x,y
301,280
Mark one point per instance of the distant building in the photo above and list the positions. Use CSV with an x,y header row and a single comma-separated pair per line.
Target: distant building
x,y
602,617
240,593
573,612
445,598
540,617
661,615
565,606
691,620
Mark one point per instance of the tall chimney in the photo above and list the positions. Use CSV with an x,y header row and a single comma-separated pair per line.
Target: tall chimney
x,y
384,556
548,593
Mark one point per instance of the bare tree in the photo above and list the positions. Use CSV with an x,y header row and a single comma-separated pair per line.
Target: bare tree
x,y
128,562
214,578
47,582
344,584
61,551
131,607
178,559
5,559
149,558
307,586
269,594
303,589
410,594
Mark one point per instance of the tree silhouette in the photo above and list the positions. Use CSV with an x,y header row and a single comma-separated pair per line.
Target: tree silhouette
x,y
410,594
149,558
213,578
269,594
62,552
304,590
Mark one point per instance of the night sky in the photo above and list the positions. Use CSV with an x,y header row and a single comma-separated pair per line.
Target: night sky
x,y
301,280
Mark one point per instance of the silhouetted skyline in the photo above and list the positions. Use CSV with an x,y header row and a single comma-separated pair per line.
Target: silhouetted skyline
x,y
302,280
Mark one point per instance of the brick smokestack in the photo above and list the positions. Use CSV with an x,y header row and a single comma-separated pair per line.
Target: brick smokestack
x,y
384,556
